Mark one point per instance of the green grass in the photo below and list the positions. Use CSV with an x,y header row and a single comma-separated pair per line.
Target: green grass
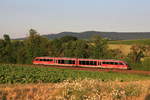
x,y
25,74
130,42
143,65
140,66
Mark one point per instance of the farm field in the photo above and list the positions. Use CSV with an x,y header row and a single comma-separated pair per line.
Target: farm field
x,y
124,48
22,82
11,74
131,42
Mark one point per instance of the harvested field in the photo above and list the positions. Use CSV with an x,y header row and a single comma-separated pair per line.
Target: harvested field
x,y
124,48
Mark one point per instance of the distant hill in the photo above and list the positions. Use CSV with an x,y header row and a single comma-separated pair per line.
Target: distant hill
x,y
109,35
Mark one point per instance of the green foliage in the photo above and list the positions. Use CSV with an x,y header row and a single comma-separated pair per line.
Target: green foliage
x,y
99,47
137,52
28,74
35,45
55,48
144,65
115,54
77,49
68,38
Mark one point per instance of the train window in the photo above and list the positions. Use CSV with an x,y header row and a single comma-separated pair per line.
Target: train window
x,y
44,59
37,59
109,63
120,63
61,61
49,59
92,62
87,62
115,63
73,61
103,62
69,61
106,62
41,59
82,62
112,63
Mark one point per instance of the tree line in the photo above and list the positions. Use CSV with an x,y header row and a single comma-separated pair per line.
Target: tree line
x,y
24,51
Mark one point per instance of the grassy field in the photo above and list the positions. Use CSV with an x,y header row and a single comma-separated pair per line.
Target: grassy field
x,y
131,42
12,74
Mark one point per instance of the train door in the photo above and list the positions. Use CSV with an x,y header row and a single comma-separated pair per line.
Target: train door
x,y
99,64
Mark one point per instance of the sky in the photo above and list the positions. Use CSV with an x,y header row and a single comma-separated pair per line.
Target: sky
x,y
17,17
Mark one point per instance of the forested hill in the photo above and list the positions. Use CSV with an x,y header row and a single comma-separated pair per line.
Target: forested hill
x,y
109,35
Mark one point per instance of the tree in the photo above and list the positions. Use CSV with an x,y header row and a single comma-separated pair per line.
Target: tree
x,y
36,45
32,32
55,48
68,38
2,50
137,52
115,54
98,47
7,53
77,49
19,51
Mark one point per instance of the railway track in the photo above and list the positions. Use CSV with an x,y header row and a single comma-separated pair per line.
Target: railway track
x,y
88,69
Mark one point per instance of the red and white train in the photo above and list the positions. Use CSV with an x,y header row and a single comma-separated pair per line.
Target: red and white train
x,y
113,64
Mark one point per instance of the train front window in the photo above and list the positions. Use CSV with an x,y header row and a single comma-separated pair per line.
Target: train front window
x,y
115,63
37,59
120,63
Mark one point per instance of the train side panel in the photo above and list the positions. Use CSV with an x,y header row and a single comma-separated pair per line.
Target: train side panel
x,y
113,64
65,61
44,60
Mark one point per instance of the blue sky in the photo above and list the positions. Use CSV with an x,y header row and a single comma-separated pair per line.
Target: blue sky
x,y
53,16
